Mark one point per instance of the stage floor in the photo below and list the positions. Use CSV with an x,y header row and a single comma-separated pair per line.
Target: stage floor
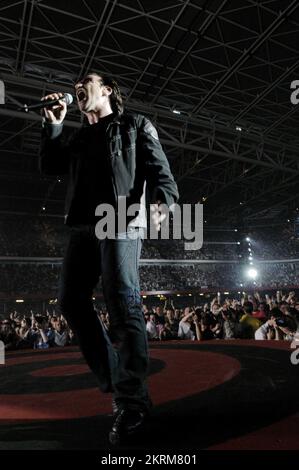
x,y
231,395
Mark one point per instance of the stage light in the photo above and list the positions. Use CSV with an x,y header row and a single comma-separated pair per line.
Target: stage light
x,y
176,111
238,243
43,208
19,301
247,239
236,229
238,128
252,273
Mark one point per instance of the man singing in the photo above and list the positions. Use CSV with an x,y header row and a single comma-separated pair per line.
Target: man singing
x,y
113,155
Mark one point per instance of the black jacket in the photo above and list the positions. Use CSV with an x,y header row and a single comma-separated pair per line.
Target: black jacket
x,y
135,156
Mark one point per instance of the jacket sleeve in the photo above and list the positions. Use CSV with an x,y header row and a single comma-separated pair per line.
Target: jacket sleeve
x,y
160,181
54,155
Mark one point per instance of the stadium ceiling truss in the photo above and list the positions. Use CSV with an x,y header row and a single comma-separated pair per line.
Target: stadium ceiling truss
x,y
214,76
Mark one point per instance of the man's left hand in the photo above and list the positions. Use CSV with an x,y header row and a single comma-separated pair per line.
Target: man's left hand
x,y
157,215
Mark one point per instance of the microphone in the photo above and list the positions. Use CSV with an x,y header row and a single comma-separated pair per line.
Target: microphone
x,y
47,104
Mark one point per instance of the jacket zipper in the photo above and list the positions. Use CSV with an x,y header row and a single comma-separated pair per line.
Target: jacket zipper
x,y
111,168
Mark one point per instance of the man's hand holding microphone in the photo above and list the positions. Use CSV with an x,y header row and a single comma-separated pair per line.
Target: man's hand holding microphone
x,y
57,112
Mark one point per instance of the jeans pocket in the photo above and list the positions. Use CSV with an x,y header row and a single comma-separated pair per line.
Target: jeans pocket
x,y
131,234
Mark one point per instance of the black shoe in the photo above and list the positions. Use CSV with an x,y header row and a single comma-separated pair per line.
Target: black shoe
x,y
127,423
116,407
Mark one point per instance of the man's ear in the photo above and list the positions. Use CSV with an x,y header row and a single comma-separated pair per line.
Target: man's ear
x,y
108,90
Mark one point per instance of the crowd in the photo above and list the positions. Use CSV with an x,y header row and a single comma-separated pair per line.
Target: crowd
x,y
275,244
251,317
231,318
183,277
32,236
25,279
28,236
35,331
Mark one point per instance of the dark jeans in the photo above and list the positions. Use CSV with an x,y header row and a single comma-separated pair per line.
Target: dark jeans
x,y
120,360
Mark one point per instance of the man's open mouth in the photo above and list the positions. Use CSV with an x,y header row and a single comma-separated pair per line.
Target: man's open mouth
x,y
81,95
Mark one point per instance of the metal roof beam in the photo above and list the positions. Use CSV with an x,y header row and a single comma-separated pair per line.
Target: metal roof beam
x,y
201,31
161,43
248,52
97,37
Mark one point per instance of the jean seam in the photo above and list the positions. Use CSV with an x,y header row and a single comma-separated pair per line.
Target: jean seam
x,y
136,260
125,257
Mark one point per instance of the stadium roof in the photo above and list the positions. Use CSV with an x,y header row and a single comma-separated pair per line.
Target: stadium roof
x,y
214,76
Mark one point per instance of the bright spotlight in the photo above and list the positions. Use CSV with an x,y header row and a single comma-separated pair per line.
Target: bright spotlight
x,y
252,273
247,239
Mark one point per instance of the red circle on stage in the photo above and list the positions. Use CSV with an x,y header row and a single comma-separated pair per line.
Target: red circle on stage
x,y
61,371
186,372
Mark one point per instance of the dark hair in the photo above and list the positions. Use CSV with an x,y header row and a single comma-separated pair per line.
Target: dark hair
x,y
116,101
40,319
27,320
248,307
170,309
207,319
275,312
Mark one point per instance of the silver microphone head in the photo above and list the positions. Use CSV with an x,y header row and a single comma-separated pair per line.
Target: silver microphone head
x,y
68,98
